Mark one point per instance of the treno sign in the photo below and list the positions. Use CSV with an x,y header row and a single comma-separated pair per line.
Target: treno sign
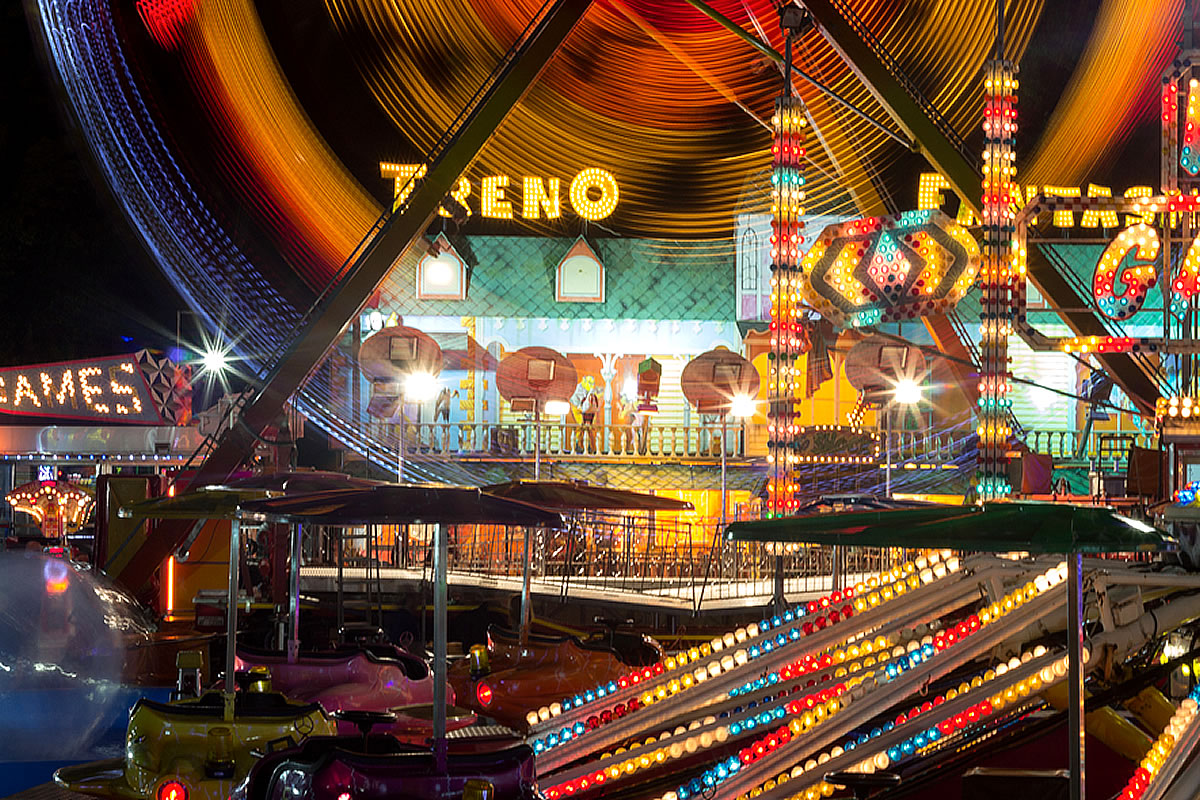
x,y
593,193
111,389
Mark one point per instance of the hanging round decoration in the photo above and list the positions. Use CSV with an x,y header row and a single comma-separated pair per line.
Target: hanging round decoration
x,y
536,374
711,381
877,363
884,269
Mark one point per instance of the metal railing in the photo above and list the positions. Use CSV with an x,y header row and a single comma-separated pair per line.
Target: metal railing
x,y
604,556
433,440
1093,445
936,447
516,440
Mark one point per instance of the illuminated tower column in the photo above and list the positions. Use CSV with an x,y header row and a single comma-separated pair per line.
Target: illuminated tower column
x,y
998,278
787,210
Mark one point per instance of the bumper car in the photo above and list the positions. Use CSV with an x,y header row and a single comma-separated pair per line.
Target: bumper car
x,y
505,680
492,763
359,677
188,750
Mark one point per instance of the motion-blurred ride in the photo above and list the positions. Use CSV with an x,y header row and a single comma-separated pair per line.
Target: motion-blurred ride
x,y
505,680
358,677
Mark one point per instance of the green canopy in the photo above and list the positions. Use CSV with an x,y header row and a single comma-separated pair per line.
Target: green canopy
x,y
403,504
1005,526
210,502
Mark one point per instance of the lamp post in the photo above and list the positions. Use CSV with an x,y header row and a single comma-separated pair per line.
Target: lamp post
x,y
741,407
417,386
402,364
905,393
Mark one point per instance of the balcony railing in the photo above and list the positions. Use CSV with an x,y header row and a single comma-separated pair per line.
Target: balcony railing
x,y
937,447
1093,446
518,440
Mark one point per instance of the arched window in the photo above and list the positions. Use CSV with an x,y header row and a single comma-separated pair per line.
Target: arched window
x,y
748,262
579,277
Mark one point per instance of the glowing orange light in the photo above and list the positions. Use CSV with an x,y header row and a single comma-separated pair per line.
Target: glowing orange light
x,y
170,583
172,790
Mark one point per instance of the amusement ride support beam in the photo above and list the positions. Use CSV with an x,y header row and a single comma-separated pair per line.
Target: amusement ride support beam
x,y
395,233
891,93
928,602
964,179
774,55
940,328
852,173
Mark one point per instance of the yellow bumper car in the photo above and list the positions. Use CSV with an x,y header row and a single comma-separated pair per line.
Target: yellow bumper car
x,y
195,749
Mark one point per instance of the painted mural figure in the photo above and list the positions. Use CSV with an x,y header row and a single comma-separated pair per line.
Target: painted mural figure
x,y
642,429
624,420
710,434
586,402
588,411
441,415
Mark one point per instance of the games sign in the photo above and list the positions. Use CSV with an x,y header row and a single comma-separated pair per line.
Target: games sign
x,y
110,389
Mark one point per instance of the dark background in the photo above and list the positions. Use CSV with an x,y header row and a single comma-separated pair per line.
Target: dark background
x,y
75,282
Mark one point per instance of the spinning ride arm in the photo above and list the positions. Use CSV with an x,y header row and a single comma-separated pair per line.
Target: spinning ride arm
x,y
393,235
946,153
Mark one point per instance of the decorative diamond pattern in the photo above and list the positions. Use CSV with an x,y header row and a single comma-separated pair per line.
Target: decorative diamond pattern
x,y
645,279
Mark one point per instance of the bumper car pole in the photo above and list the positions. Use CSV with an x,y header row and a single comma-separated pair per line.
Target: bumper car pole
x,y
526,599
293,645
441,551
235,553
341,611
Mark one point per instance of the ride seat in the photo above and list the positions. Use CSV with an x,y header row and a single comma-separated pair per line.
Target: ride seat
x,y
209,704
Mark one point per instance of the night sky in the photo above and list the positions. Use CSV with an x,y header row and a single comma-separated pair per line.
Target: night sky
x,y
76,281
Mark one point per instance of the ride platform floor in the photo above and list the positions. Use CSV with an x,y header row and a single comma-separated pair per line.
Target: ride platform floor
x,y
46,791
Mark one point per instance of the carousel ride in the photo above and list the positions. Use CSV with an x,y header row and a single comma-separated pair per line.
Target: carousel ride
x,y
60,509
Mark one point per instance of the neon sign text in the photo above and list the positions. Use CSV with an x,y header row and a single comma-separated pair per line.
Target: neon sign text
x,y
593,193
932,184
105,388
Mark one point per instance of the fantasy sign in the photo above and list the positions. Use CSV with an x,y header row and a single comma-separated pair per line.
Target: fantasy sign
x,y
593,193
882,269
1154,236
110,389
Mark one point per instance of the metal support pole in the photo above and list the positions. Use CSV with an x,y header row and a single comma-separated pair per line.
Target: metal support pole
x,y
400,447
441,552
341,580
723,479
293,645
887,451
235,552
778,601
526,598
537,441
1076,732
835,572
